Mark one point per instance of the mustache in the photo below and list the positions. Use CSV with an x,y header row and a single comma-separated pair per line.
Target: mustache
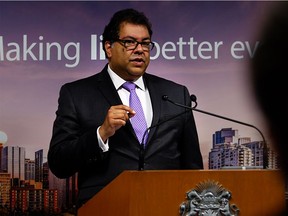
x,y
138,58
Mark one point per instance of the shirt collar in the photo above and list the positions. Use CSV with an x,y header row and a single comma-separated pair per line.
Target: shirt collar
x,y
118,81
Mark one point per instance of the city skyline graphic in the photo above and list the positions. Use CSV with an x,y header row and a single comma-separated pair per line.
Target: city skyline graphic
x,y
203,45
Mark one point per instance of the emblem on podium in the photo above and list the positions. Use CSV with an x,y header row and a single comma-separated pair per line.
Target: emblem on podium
x,y
209,198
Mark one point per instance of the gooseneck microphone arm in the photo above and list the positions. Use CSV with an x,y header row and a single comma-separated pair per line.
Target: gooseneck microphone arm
x,y
193,99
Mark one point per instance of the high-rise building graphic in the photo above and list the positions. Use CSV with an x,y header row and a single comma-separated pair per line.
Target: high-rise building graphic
x,y
41,168
231,151
59,185
1,147
29,169
13,161
71,190
5,190
29,199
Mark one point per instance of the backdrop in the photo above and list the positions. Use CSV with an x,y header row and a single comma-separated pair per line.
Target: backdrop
x,y
203,45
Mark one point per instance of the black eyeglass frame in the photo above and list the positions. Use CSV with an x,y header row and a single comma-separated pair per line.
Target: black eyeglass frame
x,y
146,45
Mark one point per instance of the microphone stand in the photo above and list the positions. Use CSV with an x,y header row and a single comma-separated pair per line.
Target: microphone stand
x,y
265,148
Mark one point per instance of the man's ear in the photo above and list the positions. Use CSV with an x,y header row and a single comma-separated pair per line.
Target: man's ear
x,y
108,46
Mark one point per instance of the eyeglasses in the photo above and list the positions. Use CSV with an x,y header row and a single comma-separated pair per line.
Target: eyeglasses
x,y
132,44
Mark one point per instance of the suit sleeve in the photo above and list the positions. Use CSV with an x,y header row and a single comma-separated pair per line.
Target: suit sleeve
x,y
71,146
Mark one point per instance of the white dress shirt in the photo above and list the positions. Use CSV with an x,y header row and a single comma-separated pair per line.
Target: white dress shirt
x,y
142,93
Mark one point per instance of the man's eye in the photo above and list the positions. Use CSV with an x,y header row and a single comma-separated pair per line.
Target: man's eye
x,y
145,43
130,42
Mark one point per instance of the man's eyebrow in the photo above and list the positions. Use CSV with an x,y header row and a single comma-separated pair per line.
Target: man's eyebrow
x,y
132,38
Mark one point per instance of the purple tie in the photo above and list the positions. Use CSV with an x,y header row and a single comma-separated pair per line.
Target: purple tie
x,y
138,121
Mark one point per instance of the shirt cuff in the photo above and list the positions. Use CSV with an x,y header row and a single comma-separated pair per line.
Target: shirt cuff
x,y
102,145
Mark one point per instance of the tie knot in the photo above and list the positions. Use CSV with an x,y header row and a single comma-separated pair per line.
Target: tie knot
x,y
129,86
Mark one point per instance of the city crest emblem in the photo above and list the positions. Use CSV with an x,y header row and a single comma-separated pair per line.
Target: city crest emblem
x,y
209,198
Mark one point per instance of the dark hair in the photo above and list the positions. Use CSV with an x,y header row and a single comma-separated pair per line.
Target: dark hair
x,y
111,31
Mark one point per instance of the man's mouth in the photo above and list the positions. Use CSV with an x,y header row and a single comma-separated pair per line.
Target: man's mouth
x,y
137,60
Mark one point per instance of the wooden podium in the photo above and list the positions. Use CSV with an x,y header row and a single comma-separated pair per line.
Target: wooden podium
x,y
159,193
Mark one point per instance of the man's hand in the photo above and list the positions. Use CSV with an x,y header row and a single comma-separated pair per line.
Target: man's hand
x,y
116,117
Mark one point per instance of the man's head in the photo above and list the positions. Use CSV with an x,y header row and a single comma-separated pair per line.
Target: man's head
x,y
111,31
127,43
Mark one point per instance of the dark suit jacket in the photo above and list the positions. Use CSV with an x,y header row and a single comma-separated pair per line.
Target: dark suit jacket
x,y
83,105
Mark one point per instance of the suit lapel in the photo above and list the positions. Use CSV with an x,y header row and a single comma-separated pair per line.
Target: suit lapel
x,y
107,88
156,104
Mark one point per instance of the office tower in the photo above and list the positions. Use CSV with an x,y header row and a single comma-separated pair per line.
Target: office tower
x,y
1,148
59,185
227,152
5,190
41,168
13,162
225,135
29,169
3,140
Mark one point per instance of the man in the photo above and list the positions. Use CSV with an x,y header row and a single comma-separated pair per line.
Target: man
x,y
93,135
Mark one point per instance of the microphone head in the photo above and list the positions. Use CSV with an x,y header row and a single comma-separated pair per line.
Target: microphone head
x,y
193,98
165,97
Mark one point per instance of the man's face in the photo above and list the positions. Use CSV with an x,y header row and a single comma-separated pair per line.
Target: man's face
x,y
128,63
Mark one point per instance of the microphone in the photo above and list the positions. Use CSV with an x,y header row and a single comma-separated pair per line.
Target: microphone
x,y
142,148
193,98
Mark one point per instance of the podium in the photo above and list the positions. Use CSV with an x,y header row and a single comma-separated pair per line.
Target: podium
x,y
159,193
